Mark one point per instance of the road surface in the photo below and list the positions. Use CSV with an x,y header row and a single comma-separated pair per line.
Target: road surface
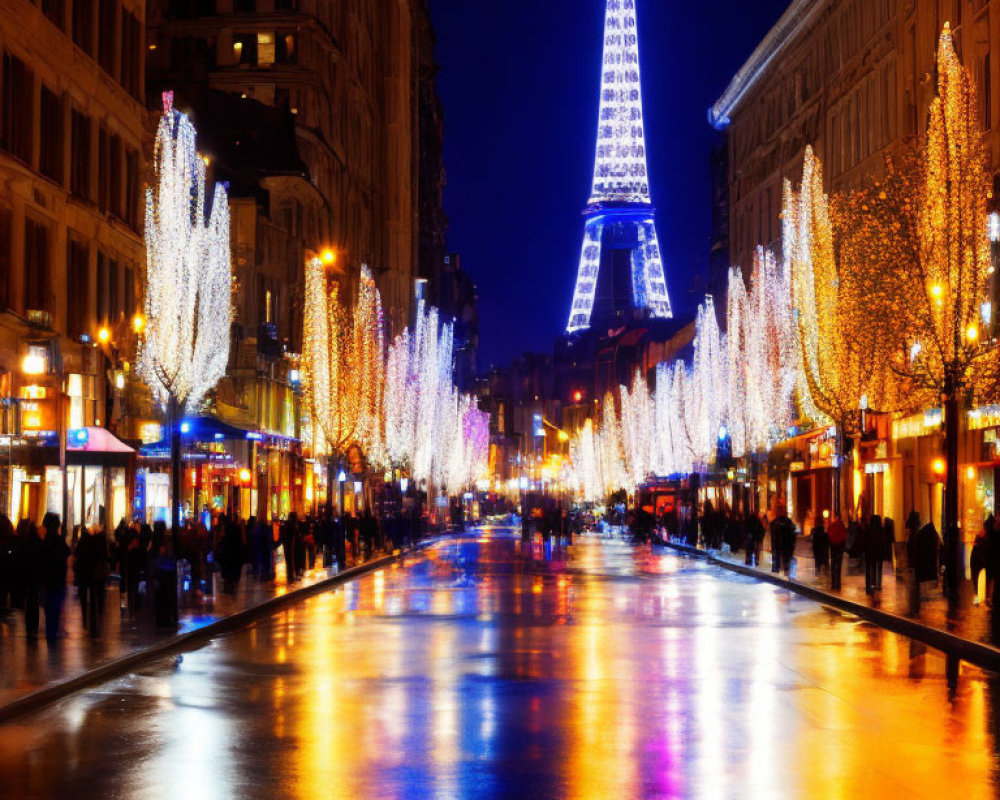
x,y
484,672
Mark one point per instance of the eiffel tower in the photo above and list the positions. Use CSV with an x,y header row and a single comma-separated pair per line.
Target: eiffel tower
x,y
620,278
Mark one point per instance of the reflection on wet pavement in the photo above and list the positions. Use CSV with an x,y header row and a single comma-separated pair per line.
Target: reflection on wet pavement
x,y
594,672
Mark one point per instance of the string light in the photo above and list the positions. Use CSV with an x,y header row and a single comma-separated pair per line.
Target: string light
x,y
188,307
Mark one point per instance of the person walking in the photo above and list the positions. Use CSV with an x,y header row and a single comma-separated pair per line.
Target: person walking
x,y
782,541
29,574
98,580
821,547
55,556
289,535
837,536
889,546
873,547
231,555
8,559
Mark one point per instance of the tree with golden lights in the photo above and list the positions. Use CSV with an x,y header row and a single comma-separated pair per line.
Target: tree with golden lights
x,y
343,363
944,348
844,350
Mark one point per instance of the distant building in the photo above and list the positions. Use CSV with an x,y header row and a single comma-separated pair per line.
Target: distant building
x,y
459,301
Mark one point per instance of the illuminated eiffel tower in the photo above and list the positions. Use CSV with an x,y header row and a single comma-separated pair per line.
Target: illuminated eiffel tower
x,y
620,278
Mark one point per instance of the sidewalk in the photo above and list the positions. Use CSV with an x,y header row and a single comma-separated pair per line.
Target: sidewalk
x,y
962,628
33,673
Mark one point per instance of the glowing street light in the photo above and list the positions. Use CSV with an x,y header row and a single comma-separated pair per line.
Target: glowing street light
x,y
33,364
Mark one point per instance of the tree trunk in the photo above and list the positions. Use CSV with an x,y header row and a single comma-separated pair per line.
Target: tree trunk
x,y
175,473
837,472
952,434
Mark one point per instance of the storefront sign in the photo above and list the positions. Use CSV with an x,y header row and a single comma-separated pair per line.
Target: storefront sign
x,y
38,416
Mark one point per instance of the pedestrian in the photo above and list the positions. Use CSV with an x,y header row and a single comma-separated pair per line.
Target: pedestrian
x,y
29,574
992,534
820,546
98,579
8,550
55,556
889,550
837,536
923,551
782,541
872,549
289,536
231,555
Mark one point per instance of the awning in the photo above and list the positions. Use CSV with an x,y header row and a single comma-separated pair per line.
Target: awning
x,y
96,447
793,449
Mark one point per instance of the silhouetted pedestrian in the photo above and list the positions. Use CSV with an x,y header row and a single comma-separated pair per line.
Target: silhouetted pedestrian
x,y
29,573
55,555
820,546
837,536
873,550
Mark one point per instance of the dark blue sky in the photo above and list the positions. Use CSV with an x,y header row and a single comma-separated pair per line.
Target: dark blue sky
x,y
520,83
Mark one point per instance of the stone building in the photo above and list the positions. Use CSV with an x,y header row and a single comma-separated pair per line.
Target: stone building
x,y
349,74
73,135
854,78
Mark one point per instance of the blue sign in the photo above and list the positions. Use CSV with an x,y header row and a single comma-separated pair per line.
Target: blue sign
x,y
78,437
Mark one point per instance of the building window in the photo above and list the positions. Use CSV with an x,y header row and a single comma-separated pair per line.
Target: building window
x,y
107,45
83,25
131,70
114,297
6,245
50,162
79,176
265,48
130,304
245,48
244,6
286,51
102,287
115,176
36,266
103,170
17,109
77,286
132,187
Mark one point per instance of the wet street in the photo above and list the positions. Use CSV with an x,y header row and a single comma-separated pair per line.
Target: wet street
x,y
479,671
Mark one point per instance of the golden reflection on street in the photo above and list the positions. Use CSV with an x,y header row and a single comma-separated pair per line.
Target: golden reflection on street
x,y
599,672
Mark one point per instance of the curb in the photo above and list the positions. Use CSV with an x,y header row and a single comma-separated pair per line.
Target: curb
x,y
978,653
186,641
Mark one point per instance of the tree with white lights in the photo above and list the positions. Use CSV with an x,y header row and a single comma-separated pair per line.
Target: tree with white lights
x,y
188,306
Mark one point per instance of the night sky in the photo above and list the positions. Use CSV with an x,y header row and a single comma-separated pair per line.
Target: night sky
x,y
520,83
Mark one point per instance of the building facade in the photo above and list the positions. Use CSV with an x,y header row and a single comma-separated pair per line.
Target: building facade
x,y
853,78
73,148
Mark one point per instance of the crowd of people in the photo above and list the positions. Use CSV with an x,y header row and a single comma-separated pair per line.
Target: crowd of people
x,y
860,544
38,564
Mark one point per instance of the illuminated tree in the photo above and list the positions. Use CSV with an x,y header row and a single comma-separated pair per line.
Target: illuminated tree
x,y
705,403
943,292
188,304
369,348
762,349
638,422
844,352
